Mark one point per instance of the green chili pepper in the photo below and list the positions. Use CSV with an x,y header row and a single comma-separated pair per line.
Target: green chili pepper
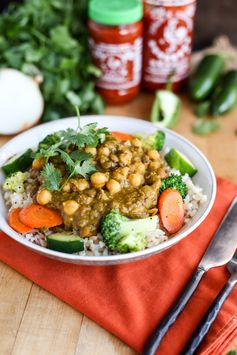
x,y
166,109
225,96
205,78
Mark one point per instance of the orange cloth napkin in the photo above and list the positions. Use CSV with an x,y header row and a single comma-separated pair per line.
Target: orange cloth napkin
x,y
129,300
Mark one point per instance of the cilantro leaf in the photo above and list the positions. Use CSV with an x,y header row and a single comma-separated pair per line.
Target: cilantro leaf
x,y
79,156
66,159
49,140
85,169
52,177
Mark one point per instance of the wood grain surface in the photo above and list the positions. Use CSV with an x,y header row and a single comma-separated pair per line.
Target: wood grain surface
x,y
32,321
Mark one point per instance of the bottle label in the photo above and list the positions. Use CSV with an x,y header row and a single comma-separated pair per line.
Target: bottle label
x,y
121,64
171,3
169,43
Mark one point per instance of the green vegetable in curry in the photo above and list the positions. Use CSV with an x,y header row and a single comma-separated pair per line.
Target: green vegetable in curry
x,y
132,242
123,234
15,182
18,163
153,141
48,40
175,182
65,242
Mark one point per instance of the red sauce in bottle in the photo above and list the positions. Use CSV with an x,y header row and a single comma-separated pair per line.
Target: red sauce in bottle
x,y
168,27
116,47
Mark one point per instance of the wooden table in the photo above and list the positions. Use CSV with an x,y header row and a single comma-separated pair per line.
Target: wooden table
x,y
32,321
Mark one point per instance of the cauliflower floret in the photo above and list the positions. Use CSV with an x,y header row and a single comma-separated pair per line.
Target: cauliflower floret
x,y
15,182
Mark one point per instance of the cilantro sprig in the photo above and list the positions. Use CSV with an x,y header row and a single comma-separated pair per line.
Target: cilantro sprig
x,y
61,144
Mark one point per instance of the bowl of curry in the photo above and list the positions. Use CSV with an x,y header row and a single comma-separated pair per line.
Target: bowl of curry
x,y
102,189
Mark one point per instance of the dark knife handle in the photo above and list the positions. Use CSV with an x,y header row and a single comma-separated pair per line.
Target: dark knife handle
x,y
207,320
170,318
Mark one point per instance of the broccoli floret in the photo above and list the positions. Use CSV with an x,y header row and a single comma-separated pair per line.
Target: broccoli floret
x,y
154,141
175,182
132,242
123,234
15,182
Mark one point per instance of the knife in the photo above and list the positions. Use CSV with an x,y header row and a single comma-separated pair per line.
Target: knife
x,y
219,252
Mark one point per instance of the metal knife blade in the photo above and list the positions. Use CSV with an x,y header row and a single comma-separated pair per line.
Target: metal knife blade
x,y
224,242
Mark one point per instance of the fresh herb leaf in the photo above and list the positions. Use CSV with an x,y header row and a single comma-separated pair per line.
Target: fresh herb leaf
x,y
50,140
52,177
85,169
204,127
79,156
66,159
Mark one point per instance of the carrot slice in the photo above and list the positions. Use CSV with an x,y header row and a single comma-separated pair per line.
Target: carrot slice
x,y
171,210
37,216
122,136
15,223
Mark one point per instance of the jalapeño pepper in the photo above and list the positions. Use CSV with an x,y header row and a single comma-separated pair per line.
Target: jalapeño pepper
x,y
225,96
208,73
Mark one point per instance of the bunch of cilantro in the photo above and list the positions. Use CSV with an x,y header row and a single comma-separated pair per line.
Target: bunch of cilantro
x,y
49,39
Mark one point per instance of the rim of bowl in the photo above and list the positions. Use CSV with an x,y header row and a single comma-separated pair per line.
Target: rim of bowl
x,y
118,257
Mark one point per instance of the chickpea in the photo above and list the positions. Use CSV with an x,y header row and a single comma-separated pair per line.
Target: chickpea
x,y
66,187
104,151
135,180
98,179
125,158
140,168
43,197
91,150
153,154
124,171
136,142
38,164
113,186
70,207
118,175
81,184
154,165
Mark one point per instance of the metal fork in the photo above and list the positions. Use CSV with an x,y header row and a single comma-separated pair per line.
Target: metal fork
x,y
214,309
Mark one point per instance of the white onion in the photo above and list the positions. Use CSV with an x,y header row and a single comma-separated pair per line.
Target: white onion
x,y
21,102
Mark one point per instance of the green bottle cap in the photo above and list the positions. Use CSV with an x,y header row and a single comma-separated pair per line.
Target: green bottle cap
x,y
115,12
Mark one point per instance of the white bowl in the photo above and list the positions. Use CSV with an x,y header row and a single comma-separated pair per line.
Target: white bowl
x,y
205,178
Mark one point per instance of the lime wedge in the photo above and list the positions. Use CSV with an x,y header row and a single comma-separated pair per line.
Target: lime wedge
x,y
178,161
